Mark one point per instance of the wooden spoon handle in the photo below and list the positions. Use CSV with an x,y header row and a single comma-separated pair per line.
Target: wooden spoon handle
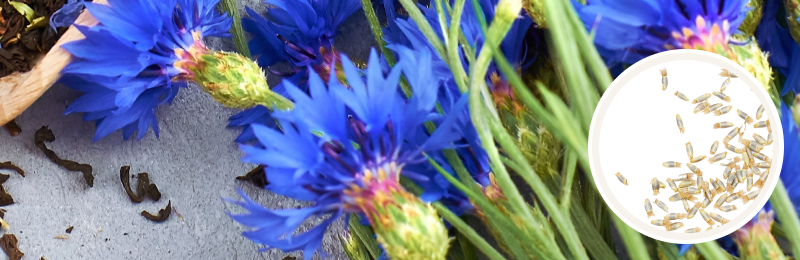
x,y
15,98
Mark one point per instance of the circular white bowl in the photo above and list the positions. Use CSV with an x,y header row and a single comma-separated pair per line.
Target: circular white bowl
x,y
610,188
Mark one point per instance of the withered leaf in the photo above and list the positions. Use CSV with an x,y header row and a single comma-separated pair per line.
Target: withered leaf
x,y
143,188
13,128
163,214
257,176
9,244
5,198
43,135
11,166
69,230
4,178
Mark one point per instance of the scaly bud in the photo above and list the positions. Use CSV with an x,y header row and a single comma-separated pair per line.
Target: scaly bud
x,y
754,60
748,26
793,14
755,240
407,228
535,9
231,79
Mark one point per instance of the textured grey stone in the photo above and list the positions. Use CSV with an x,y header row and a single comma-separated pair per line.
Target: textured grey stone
x,y
194,163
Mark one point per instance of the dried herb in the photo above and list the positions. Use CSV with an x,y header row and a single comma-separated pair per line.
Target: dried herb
x,y
22,43
43,135
3,213
4,178
163,214
13,128
143,188
5,198
9,244
257,176
69,230
11,166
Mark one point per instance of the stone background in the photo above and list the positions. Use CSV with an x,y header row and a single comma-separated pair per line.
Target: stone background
x,y
194,163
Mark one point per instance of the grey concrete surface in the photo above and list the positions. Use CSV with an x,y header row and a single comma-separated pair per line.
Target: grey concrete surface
x,y
194,163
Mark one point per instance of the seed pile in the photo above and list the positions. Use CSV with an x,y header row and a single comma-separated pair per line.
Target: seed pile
x,y
746,167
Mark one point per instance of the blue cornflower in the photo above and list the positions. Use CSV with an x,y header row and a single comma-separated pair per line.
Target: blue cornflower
x,y
627,31
126,65
299,32
344,148
294,31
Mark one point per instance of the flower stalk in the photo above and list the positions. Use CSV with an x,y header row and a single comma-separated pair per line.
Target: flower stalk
x,y
236,28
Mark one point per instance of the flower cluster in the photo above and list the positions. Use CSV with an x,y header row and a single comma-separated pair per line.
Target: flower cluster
x,y
344,147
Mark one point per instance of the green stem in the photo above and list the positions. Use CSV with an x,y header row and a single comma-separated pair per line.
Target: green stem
x,y
547,249
424,27
560,217
452,47
787,215
375,27
468,232
236,29
484,121
633,240
711,250
569,168
585,97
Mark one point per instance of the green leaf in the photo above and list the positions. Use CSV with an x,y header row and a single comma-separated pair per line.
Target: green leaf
x,y
633,240
785,210
24,9
711,250
670,251
364,236
39,22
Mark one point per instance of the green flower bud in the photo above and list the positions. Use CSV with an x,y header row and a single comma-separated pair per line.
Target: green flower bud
x,y
535,9
231,79
793,13
407,228
755,240
754,60
508,11
748,26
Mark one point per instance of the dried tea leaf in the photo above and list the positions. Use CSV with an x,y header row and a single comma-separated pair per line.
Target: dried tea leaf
x,y
13,128
5,198
144,186
257,176
11,166
9,244
3,213
23,9
43,135
4,178
163,214
124,177
147,187
69,230
65,237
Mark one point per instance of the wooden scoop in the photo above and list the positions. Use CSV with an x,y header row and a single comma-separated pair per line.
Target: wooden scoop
x,y
18,91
